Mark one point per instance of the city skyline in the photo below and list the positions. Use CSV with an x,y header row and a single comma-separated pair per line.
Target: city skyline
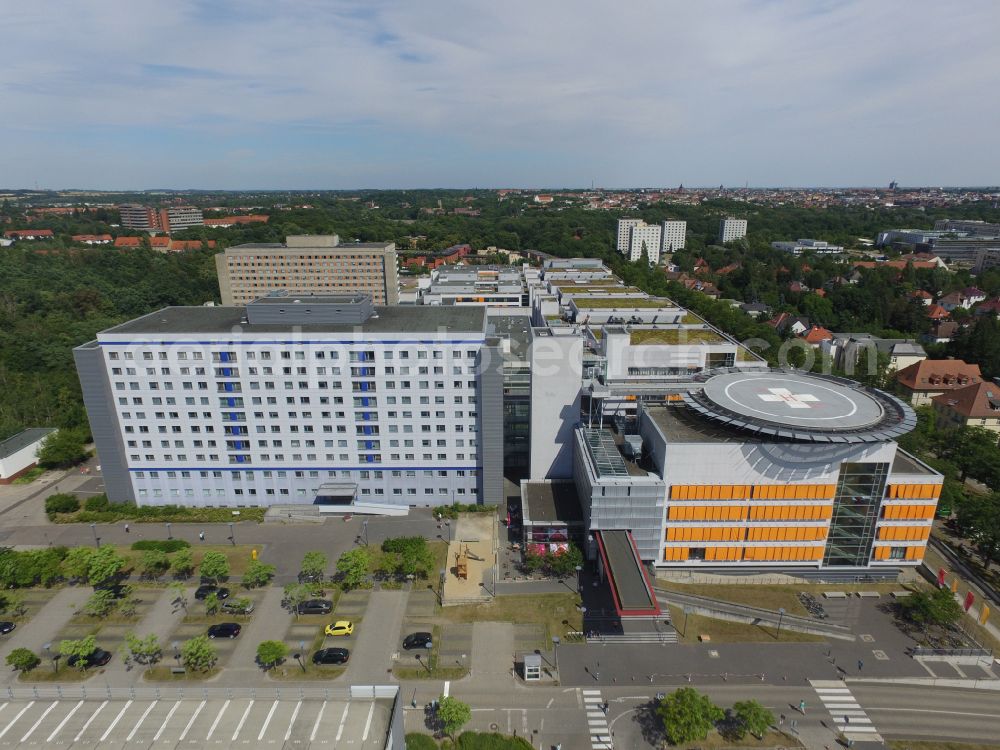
x,y
345,96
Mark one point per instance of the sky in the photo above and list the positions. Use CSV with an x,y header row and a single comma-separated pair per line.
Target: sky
x,y
333,94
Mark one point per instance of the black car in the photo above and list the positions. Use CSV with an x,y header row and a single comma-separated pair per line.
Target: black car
x,y
331,656
204,590
418,640
6,627
315,607
225,630
98,658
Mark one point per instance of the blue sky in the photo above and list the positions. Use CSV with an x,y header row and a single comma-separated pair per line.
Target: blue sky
x,y
131,94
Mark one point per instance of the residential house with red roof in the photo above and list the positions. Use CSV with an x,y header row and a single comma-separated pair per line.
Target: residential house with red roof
x,y
936,312
93,239
29,234
924,380
816,336
972,406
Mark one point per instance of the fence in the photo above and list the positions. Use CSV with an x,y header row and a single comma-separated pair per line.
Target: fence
x,y
106,692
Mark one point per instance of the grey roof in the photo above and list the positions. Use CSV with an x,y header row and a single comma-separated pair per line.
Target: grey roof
x,y
302,249
514,326
23,439
391,319
626,571
551,502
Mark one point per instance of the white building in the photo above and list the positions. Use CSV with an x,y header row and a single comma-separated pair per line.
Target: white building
x,y
806,245
625,233
311,400
732,229
19,453
644,239
673,235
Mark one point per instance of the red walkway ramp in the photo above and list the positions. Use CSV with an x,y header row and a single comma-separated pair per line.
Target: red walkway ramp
x,y
630,586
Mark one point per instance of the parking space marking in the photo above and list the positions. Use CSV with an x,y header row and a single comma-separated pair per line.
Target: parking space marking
x,y
63,722
267,721
41,718
92,717
291,722
191,721
343,719
164,724
14,720
242,721
107,732
368,723
447,688
217,718
319,718
139,723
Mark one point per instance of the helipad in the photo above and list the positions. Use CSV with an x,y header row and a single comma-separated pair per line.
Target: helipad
x,y
801,406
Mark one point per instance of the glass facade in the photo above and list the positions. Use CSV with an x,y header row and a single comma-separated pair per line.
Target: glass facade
x,y
855,513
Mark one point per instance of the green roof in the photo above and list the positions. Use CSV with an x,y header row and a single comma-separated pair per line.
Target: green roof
x,y
652,336
623,303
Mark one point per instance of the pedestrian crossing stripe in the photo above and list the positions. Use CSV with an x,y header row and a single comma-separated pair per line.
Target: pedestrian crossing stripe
x,y
848,715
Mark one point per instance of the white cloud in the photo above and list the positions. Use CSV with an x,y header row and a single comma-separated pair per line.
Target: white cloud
x,y
639,93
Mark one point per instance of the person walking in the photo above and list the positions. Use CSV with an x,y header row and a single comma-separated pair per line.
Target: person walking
x,y
126,528
802,707
201,535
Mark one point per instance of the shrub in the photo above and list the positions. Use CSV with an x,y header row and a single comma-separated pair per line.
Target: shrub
x,y
484,741
97,503
271,653
416,741
61,503
161,545
258,574
23,659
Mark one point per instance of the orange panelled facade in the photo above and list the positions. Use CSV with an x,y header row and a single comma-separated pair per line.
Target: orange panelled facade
x,y
790,512
786,533
883,552
723,553
904,533
675,554
908,512
782,553
913,491
707,513
705,534
756,492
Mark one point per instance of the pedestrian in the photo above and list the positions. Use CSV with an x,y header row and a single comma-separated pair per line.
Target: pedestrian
x,y
201,535
802,707
861,664
781,720
126,528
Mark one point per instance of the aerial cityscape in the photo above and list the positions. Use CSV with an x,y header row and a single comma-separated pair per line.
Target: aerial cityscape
x,y
425,377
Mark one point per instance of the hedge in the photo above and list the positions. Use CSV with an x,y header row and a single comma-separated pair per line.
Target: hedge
x,y
61,503
161,545
420,742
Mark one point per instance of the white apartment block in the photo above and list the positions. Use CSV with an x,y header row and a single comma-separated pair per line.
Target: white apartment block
x,y
311,400
732,229
673,236
625,233
645,239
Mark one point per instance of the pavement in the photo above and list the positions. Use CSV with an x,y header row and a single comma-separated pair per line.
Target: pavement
x,y
377,638
44,626
160,620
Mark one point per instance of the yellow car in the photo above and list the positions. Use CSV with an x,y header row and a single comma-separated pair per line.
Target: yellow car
x,y
341,627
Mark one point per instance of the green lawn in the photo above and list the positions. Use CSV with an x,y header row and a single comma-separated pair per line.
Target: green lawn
x,y
557,612
653,336
724,631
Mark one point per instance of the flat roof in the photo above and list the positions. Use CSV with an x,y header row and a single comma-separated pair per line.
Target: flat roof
x,y
23,439
550,502
669,336
800,406
514,326
388,319
626,574
307,249
621,303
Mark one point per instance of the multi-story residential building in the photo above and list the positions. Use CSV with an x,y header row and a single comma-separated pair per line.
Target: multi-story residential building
x,y
922,381
976,405
806,245
645,240
318,400
625,233
169,219
673,235
732,229
309,264
857,353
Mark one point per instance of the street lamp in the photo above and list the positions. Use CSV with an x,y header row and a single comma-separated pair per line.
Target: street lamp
x,y
447,523
177,652
169,534
298,656
420,659
232,534
687,611
579,579
364,531
97,541
781,615
555,652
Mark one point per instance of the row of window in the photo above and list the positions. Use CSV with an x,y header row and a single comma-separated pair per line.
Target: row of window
x,y
303,473
280,457
285,492
297,354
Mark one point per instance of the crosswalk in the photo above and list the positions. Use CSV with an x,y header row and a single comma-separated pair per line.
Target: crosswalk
x,y
597,720
847,714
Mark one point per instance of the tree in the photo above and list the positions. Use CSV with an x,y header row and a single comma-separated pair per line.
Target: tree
x,y
183,563
313,566
453,714
23,659
13,603
105,565
936,608
405,556
144,650
979,519
294,595
212,604
61,503
214,565
271,653
79,649
564,563
688,715
258,574
752,717
179,590
153,563
100,603
198,654
76,564
62,449
352,566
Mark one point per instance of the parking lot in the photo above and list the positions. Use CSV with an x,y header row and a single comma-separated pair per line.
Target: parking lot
x,y
206,719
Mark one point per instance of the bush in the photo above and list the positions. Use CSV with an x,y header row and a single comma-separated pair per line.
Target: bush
x,y
452,511
61,503
23,659
161,545
97,503
485,741
420,742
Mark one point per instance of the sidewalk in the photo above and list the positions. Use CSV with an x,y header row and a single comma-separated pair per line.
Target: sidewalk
x,y
269,623
160,620
44,626
378,639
